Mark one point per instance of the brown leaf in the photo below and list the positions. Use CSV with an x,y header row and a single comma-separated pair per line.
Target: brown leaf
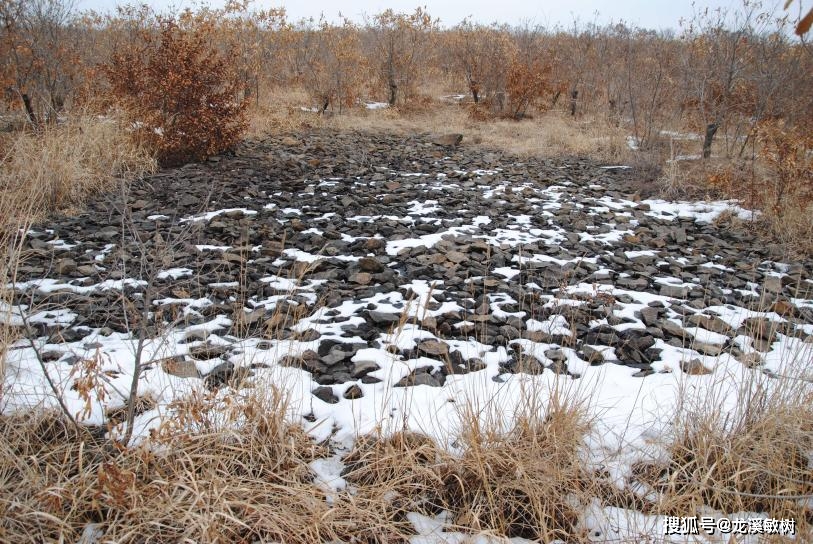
x,y
804,25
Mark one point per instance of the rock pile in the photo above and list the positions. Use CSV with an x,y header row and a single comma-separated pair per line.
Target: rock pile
x,y
332,244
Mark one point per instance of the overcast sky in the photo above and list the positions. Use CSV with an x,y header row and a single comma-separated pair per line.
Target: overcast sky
x,y
654,14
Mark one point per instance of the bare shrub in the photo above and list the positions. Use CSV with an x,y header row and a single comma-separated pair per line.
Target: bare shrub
x,y
179,90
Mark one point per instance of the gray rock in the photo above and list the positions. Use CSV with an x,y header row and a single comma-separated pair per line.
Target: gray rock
x,y
649,316
433,348
325,394
448,140
353,392
383,318
371,265
65,266
674,291
363,368
555,354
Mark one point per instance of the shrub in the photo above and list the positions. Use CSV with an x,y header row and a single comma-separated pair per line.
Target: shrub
x,y
179,90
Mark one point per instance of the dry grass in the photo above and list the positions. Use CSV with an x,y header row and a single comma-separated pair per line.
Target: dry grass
x,y
64,165
551,134
240,474
526,480
245,480
752,457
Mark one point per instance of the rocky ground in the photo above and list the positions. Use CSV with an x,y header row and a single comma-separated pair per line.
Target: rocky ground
x,y
332,251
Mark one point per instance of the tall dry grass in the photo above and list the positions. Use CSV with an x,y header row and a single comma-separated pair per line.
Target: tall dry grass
x,y
228,484
66,164
754,454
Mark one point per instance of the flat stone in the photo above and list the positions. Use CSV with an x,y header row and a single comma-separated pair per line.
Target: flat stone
x,y
705,348
674,291
383,318
180,367
592,355
433,348
694,368
711,323
362,278
772,285
448,140
649,315
371,264
65,266
760,328
555,354
353,392
362,368
670,327
325,394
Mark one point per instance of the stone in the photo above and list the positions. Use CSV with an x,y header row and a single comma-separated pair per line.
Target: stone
x,y
433,348
86,270
674,291
374,244
760,328
353,392
180,367
362,368
670,327
227,374
383,318
418,378
649,315
772,285
785,309
362,278
65,266
694,368
592,355
325,394
448,140
371,264
555,354
705,348
208,351
711,323
336,355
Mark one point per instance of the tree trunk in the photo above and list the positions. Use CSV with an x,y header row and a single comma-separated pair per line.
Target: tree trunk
x,y
711,130
30,111
574,95
393,93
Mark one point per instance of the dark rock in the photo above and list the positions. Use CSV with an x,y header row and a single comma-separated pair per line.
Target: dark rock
x,y
448,140
325,394
353,392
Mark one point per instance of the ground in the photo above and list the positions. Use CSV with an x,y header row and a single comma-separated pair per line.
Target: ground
x,y
385,281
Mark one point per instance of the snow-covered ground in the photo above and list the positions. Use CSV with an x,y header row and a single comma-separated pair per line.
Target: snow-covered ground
x,y
631,416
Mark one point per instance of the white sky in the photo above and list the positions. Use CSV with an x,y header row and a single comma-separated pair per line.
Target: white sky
x,y
654,14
